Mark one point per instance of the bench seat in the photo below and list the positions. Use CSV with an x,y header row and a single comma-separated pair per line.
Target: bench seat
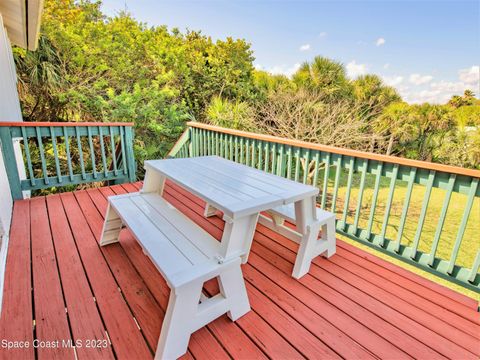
x,y
187,256
177,246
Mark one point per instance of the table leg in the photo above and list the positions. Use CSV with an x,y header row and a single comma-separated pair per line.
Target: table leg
x,y
153,182
238,236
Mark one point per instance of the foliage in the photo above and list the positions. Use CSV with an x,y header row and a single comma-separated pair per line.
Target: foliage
x,y
90,67
312,116
234,115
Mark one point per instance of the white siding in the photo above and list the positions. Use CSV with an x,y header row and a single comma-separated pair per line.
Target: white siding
x,y
9,111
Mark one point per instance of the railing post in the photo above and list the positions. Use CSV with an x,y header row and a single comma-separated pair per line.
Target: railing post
x,y
10,163
131,168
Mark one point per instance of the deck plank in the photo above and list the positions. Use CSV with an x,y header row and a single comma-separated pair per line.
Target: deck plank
x,y
85,320
51,323
404,315
124,334
16,321
353,305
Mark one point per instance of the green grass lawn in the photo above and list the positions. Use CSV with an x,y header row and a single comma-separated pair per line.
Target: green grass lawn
x,y
471,239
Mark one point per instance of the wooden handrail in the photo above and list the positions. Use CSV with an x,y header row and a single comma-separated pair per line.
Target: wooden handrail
x,y
348,152
67,124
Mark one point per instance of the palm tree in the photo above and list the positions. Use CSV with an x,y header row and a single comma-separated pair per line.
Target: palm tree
x,y
324,75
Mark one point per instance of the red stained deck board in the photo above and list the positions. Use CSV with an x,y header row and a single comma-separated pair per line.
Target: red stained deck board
x,y
335,297
16,321
85,321
426,283
420,324
126,338
326,314
51,324
442,305
469,325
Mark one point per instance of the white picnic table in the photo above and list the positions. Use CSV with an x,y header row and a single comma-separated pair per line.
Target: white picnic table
x,y
238,191
187,256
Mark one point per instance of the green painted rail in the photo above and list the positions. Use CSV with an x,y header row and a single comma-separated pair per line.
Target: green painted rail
x,y
363,217
59,154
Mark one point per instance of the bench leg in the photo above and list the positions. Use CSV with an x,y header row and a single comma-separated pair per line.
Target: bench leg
x,y
209,210
306,251
111,227
232,287
177,324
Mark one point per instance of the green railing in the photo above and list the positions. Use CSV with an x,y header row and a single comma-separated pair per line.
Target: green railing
x,y
59,154
423,213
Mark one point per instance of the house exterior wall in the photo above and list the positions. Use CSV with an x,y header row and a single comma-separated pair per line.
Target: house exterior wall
x,y
9,111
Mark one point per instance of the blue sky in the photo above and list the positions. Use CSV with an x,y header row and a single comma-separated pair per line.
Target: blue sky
x,y
428,50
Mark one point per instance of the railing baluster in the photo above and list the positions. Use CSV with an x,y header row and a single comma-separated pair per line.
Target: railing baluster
x,y
374,200
55,154
325,181
475,266
42,155
230,143
297,164
267,156
388,207
92,152
67,150
217,144
247,153
423,213
254,155
349,190
317,163
463,224
281,161
242,149
274,158
259,164
114,155
289,162
102,150
441,220
361,189
27,155
122,147
338,172
307,166
406,205
236,149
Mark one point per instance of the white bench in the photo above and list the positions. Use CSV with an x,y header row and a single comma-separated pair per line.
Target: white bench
x,y
187,256
310,245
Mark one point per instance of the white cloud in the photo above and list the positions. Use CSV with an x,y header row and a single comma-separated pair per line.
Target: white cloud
x,y
322,34
258,67
393,80
418,79
284,69
305,47
354,69
470,75
386,66
380,41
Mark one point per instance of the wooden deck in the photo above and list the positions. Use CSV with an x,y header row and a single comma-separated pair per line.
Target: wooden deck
x,y
60,285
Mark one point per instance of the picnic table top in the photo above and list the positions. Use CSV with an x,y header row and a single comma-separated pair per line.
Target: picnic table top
x,y
235,189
